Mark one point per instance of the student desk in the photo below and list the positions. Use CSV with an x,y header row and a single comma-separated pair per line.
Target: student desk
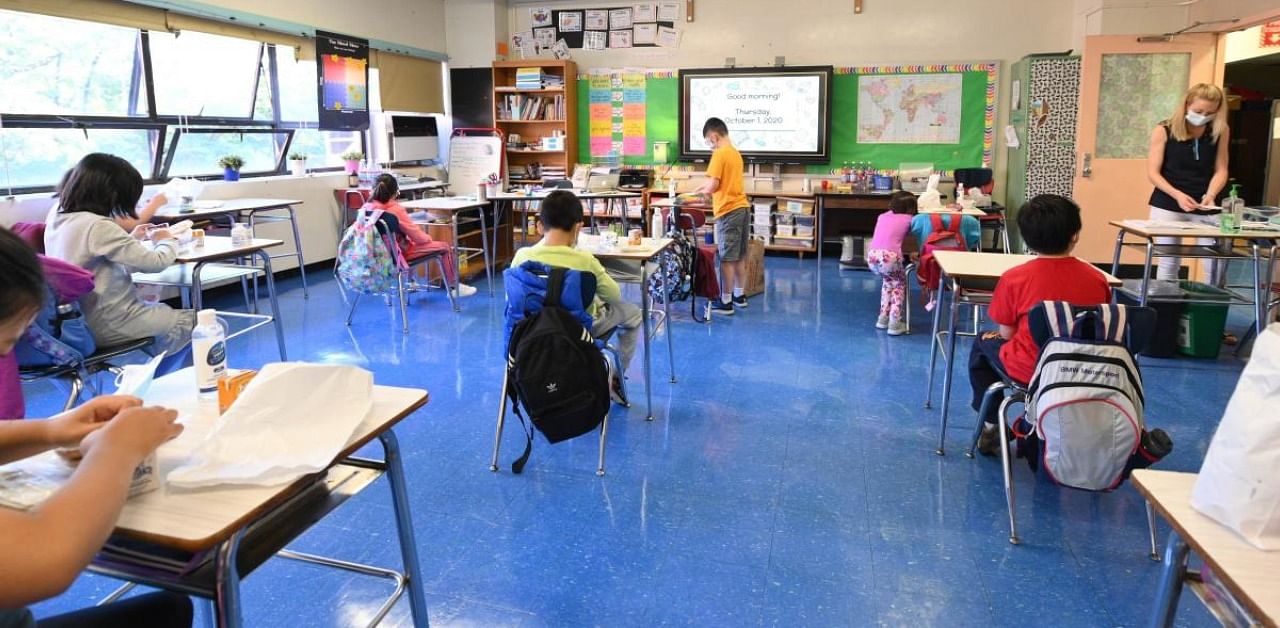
x,y
647,252
188,274
854,212
1251,575
237,528
1256,242
454,205
969,273
237,210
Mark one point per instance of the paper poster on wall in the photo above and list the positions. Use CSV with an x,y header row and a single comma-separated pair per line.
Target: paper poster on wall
x,y
620,39
619,19
560,49
644,12
524,44
597,19
644,34
570,21
600,112
633,113
540,16
668,37
594,40
343,68
668,10
910,108
545,37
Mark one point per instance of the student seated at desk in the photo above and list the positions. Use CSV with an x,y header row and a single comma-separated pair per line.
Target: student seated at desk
x,y
82,230
416,241
43,550
1050,225
561,217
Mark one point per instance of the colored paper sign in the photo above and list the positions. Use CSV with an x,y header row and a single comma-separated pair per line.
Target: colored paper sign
x,y
633,146
632,126
600,146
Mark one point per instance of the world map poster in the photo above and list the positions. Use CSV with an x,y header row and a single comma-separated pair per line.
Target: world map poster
x,y
910,108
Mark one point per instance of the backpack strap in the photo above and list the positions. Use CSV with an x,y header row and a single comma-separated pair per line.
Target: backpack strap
x,y
555,285
935,220
1114,323
1058,314
957,221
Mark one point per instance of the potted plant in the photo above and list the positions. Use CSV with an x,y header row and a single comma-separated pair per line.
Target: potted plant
x,y
298,164
353,159
231,165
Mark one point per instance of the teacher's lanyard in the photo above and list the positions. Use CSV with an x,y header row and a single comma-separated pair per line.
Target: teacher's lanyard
x,y
1196,148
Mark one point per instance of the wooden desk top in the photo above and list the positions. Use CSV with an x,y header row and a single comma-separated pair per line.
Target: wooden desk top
x,y
446,203
582,194
1148,229
220,247
670,202
648,248
230,206
1250,574
969,265
195,520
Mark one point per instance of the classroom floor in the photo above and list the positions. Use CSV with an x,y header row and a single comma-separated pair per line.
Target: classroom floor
x,y
789,480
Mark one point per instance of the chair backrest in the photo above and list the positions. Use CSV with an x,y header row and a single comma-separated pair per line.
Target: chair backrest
x,y
355,199
980,178
1142,324
526,287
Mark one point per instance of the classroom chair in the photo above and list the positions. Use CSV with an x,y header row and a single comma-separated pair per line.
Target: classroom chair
x,y
587,281
76,375
352,202
389,227
1141,324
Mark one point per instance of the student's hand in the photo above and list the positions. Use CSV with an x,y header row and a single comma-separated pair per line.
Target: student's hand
x,y
160,235
139,232
135,432
159,200
1187,203
69,428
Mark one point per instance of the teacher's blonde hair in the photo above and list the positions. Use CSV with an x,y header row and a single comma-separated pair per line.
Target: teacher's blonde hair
x,y
1178,126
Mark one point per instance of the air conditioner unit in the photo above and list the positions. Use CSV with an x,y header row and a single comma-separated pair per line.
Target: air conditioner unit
x,y
412,136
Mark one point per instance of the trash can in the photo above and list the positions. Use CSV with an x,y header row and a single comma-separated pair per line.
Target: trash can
x,y
1201,325
1164,338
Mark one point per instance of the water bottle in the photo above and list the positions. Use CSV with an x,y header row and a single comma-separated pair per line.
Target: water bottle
x,y
241,235
209,352
655,224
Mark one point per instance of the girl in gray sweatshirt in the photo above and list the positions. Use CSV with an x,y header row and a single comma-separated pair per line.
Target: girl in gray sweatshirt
x,y
82,230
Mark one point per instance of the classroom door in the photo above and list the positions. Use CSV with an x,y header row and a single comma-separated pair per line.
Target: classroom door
x,y
1126,88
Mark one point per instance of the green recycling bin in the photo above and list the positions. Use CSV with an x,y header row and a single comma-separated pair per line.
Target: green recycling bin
x,y
1201,325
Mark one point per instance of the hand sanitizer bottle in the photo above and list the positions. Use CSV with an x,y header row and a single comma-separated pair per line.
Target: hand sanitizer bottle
x,y
1229,221
209,352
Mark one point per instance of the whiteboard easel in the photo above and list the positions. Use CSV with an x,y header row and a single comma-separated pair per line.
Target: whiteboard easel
x,y
472,158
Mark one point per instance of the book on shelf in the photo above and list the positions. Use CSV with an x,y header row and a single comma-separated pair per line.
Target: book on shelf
x,y
515,107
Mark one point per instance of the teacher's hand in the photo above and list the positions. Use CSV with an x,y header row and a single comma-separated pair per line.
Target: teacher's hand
x,y
1187,203
1208,201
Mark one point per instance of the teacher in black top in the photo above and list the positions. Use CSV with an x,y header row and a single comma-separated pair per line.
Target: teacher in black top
x,y
1187,164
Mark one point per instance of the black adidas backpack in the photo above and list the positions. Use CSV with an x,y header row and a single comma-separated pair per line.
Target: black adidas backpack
x,y
556,372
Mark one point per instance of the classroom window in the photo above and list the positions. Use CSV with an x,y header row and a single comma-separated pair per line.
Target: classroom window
x,y
57,66
204,75
38,156
297,86
196,152
324,149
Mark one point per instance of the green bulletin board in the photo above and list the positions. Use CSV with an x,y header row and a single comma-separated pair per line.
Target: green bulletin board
x,y
977,127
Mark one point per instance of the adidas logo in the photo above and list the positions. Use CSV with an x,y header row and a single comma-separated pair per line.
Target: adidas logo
x,y
552,387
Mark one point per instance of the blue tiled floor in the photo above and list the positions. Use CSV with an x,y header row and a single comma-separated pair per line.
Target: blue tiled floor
x,y
788,480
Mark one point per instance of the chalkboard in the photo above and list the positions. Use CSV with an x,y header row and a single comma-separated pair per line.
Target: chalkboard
x,y
977,126
471,90
472,159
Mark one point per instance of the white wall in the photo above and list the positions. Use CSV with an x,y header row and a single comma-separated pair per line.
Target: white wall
x,y
1244,44
417,23
474,28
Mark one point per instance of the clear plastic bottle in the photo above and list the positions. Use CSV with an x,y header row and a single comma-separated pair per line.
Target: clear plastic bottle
x,y
209,352
1232,217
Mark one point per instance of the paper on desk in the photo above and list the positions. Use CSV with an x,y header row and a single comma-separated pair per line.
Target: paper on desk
x,y
292,420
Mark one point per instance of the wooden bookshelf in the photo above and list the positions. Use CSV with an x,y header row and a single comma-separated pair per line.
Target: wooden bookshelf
x,y
532,131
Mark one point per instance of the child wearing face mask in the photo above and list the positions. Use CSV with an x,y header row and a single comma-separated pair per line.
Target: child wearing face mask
x,y
1187,164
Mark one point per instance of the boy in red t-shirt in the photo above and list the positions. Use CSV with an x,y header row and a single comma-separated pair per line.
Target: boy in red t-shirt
x,y
1050,225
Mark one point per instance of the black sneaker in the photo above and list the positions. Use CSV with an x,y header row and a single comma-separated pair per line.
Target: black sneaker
x,y
989,440
720,307
617,389
739,301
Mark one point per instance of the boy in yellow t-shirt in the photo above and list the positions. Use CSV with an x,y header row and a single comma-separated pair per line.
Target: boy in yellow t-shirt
x,y
732,213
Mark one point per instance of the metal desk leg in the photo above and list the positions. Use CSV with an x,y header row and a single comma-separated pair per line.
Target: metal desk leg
x,y
644,306
197,294
297,246
1115,257
1171,577
666,320
226,601
817,212
484,244
951,362
933,341
404,529
275,305
1261,290
1146,274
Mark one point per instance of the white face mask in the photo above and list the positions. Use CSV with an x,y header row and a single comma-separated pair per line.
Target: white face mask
x,y
1198,119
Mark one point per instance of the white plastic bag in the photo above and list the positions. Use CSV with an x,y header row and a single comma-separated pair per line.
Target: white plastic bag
x,y
291,420
1239,485
931,198
183,192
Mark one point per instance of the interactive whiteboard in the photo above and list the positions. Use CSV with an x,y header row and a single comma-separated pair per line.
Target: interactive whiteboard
x,y
773,114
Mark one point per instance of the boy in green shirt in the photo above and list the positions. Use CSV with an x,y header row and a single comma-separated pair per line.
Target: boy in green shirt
x,y
561,217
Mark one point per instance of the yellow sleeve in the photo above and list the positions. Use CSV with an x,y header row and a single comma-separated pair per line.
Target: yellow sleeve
x,y
607,289
715,169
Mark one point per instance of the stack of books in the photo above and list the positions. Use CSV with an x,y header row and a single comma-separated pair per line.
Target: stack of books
x,y
553,173
519,107
552,81
762,221
528,78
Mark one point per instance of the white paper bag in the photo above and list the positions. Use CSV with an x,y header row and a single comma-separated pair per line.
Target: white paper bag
x,y
291,420
1239,483
931,198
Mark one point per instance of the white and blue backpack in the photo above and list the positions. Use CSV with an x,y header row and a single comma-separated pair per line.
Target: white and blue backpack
x,y
1085,402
